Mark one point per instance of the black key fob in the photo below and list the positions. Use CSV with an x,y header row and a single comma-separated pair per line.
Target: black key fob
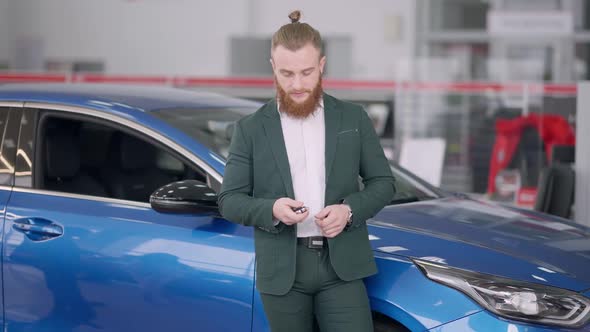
x,y
299,210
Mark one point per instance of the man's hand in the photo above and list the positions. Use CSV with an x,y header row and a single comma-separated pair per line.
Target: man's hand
x,y
283,210
332,219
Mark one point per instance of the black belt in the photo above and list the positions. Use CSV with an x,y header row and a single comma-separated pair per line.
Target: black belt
x,y
313,242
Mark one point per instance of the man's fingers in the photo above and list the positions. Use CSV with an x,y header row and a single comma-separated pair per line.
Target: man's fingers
x,y
321,222
331,229
327,222
293,203
332,232
323,214
301,216
294,218
333,224
283,208
289,214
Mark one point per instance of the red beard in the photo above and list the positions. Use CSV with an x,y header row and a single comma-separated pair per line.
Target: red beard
x,y
299,110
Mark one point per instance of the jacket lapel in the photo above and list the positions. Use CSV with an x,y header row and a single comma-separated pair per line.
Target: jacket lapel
x,y
332,118
274,133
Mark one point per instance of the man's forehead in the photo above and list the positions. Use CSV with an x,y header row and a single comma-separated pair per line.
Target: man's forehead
x,y
300,59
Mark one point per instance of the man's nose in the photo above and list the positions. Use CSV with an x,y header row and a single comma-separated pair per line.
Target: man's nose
x,y
297,83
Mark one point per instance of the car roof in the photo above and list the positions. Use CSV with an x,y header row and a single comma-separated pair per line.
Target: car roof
x,y
121,97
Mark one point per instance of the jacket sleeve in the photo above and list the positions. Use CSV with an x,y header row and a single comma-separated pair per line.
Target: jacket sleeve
x,y
235,200
379,183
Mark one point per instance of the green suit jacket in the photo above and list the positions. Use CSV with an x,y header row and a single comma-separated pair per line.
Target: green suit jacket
x,y
257,173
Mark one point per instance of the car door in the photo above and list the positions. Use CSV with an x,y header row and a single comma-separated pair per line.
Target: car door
x,y
86,261
9,120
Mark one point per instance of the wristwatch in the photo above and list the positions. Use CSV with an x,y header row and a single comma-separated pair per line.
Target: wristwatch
x,y
349,220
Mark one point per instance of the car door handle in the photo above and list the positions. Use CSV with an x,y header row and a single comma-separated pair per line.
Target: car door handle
x,y
37,229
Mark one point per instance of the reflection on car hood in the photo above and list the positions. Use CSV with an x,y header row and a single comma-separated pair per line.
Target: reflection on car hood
x,y
488,238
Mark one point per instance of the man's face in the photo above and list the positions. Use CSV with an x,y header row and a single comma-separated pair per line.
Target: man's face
x,y
298,75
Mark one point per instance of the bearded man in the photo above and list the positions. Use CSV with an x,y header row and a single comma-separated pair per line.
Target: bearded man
x,y
292,173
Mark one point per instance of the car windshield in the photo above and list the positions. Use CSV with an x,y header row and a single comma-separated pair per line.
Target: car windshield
x,y
410,188
213,128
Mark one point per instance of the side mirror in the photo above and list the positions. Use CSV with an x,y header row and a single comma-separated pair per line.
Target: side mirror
x,y
188,196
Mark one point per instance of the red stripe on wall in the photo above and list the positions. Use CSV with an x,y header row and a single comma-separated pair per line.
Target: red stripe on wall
x,y
246,82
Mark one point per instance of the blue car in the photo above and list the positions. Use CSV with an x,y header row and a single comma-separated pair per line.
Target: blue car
x,y
110,223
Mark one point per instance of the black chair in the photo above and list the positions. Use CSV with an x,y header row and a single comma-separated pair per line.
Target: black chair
x,y
565,154
557,184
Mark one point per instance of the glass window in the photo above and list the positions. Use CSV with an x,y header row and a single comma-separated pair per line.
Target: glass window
x,y
581,10
581,61
410,188
6,166
525,5
470,60
211,127
9,144
91,158
529,62
24,153
458,14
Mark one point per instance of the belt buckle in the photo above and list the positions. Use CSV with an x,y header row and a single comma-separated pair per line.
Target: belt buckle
x,y
315,242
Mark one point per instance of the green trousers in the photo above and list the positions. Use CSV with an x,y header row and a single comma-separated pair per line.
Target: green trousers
x,y
337,305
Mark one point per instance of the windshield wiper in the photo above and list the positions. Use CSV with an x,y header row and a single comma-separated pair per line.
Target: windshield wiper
x,y
410,199
403,200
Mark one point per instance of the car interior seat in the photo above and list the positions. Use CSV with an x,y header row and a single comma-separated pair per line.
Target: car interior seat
x,y
62,164
131,172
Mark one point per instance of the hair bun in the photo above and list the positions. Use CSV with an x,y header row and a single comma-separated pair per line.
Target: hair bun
x,y
295,16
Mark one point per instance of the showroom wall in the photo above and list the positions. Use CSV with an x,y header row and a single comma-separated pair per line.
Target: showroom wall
x,y
382,30
189,37
5,28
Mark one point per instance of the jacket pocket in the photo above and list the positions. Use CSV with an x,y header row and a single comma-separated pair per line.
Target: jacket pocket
x,y
265,264
348,132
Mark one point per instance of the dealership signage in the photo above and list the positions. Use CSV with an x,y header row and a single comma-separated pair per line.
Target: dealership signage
x,y
531,24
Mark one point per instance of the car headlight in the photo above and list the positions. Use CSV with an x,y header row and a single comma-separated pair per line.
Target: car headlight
x,y
523,301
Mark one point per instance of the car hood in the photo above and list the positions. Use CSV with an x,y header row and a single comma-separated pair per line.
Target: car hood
x,y
488,238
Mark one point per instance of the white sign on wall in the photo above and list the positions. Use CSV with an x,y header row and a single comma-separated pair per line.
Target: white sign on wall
x,y
533,24
424,157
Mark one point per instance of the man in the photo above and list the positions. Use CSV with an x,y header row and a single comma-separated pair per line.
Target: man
x,y
306,149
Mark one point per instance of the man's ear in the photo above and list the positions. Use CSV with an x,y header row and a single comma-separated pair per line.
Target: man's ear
x,y
322,64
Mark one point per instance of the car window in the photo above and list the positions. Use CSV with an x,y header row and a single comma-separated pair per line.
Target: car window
x,y
3,119
210,127
9,146
24,153
94,158
6,165
410,188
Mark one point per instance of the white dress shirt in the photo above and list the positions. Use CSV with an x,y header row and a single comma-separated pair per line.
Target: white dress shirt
x,y
305,143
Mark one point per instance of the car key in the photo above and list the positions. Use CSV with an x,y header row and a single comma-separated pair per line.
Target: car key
x,y
299,210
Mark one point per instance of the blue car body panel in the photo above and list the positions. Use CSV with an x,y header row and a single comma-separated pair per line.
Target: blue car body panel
x,y
164,272
4,196
118,266
485,322
123,99
401,291
487,238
